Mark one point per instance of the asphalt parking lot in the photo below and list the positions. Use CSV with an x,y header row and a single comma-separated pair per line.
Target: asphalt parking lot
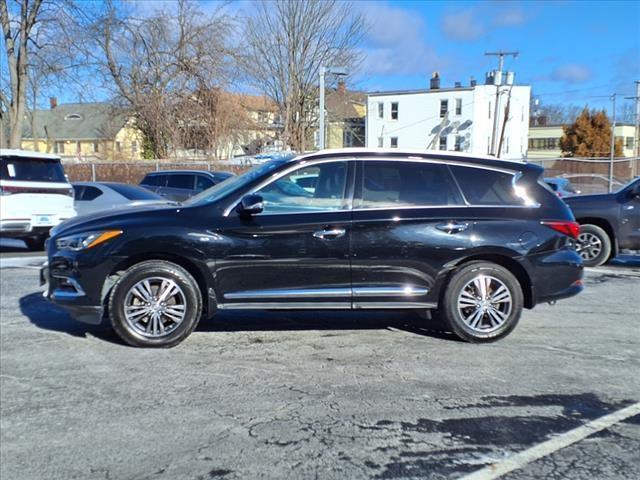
x,y
317,395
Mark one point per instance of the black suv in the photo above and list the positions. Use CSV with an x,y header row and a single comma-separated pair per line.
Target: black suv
x,y
178,185
476,238
608,223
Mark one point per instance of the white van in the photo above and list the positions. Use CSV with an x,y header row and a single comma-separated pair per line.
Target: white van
x,y
35,196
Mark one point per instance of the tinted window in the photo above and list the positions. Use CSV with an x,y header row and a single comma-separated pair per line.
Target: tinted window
x,y
181,181
31,170
285,195
486,187
77,191
154,180
202,183
90,193
394,184
133,192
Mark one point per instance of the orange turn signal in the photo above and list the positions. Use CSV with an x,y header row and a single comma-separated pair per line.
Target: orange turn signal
x,y
103,237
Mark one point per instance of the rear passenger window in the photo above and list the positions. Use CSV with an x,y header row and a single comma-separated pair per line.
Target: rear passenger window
x,y
396,184
151,180
486,187
90,193
181,181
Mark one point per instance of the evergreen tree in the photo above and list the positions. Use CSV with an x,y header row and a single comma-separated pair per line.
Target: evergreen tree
x,y
589,136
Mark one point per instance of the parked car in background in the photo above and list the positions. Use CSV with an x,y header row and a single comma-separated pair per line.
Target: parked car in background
x,y
477,238
34,196
561,186
608,222
178,185
92,197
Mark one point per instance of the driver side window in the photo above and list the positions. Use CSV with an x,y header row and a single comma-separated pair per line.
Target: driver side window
x,y
314,188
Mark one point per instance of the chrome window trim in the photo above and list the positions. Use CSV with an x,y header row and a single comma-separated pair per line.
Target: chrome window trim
x,y
292,168
516,174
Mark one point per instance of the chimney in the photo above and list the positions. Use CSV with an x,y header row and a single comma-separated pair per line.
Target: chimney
x,y
458,85
473,82
435,81
53,102
342,88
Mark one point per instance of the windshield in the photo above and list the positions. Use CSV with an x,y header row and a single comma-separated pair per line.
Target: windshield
x,y
232,184
31,170
629,185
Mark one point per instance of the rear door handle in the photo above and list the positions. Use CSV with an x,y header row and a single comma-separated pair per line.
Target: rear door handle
x,y
330,233
452,227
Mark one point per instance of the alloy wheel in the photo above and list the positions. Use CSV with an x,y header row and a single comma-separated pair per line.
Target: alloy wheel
x,y
155,306
589,246
485,303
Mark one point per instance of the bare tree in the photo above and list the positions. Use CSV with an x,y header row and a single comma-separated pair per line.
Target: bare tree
x,y
287,41
155,64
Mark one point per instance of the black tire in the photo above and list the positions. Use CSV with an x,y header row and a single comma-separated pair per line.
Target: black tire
x,y
36,244
496,275
155,270
594,245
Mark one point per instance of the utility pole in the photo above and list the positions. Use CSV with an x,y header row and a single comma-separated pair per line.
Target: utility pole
x,y
613,142
338,71
494,133
636,144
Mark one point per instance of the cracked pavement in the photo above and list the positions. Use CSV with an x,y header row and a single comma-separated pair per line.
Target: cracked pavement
x,y
318,395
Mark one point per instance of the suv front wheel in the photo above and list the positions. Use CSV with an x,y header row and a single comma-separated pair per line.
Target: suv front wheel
x,y
155,304
483,302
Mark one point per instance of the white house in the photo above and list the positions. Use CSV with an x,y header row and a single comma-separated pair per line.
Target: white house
x,y
462,118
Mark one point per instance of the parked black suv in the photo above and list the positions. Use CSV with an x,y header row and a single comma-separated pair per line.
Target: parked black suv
x,y
178,185
477,238
608,223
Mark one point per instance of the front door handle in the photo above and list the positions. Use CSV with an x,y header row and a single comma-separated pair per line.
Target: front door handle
x,y
329,233
452,227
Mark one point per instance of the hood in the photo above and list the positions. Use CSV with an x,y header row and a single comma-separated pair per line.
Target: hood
x,y
108,218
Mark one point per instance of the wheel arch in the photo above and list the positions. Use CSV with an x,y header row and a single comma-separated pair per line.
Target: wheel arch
x,y
507,262
199,275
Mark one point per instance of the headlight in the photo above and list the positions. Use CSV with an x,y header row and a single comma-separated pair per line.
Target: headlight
x,y
82,241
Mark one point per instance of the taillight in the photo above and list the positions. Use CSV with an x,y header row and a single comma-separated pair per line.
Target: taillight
x,y
571,229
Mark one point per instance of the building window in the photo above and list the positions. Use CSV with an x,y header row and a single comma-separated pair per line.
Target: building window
x,y
443,143
489,109
380,142
58,148
544,144
444,107
394,111
458,106
628,142
134,147
118,147
96,147
394,142
380,110
459,142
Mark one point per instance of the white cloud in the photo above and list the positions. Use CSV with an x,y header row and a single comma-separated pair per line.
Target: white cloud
x,y
572,73
509,17
395,43
462,25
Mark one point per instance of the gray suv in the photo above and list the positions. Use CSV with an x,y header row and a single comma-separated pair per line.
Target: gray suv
x,y
178,185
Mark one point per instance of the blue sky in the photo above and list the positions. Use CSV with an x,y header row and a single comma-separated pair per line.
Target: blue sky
x,y
570,52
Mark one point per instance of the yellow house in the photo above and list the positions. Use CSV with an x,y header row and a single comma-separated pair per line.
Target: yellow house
x,y
346,113
83,131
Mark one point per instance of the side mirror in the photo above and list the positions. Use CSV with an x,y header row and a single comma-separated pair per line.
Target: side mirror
x,y
251,205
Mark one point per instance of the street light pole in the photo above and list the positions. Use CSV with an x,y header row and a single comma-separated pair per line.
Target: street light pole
x,y
339,71
613,142
321,133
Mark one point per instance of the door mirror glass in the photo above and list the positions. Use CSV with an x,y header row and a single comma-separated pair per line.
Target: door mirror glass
x,y
251,205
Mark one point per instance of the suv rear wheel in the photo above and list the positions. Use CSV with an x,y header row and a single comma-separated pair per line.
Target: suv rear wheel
x,y
483,302
155,304
594,245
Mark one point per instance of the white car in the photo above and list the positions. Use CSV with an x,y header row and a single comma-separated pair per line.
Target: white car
x,y
35,196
